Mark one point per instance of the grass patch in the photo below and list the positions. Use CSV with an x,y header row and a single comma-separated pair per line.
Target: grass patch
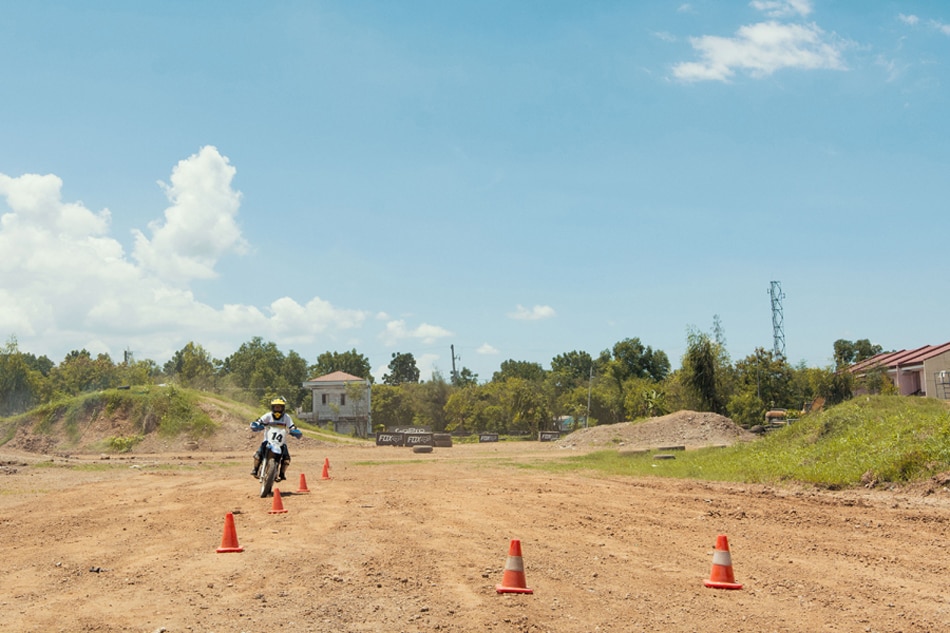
x,y
881,439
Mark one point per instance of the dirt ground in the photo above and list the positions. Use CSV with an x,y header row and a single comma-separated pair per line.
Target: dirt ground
x,y
400,542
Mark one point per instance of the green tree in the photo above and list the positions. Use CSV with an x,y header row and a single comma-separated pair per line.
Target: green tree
x,y
464,378
519,369
192,366
702,370
402,368
768,378
523,407
809,383
142,372
392,406
633,359
467,410
79,373
350,362
851,352
21,385
643,398
572,368
258,371
429,399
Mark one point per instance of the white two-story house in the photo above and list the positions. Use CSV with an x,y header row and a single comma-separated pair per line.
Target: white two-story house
x,y
341,401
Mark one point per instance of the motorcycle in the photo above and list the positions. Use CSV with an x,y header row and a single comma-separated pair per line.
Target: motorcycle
x,y
274,439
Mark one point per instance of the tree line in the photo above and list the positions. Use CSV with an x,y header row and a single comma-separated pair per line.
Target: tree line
x,y
629,381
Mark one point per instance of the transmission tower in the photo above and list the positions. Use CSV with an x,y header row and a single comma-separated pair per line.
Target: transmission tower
x,y
778,319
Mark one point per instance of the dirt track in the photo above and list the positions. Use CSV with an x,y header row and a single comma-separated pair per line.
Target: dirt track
x,y
404,543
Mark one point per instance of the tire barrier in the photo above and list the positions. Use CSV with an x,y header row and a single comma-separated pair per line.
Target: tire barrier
x,y
390,439
422,448
442,440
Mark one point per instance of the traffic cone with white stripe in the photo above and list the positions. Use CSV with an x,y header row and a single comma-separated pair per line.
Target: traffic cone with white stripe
x,y
513,580
722,576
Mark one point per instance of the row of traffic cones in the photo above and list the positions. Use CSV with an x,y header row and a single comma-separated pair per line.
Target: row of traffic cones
x,y
229,541
721,577
513,580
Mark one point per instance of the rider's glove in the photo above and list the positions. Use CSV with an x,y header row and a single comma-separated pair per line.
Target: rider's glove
x,y
257,426
296,433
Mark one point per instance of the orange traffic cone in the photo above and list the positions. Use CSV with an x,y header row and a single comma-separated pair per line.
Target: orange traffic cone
x,y
326,468
278,507
721,576
303,486
229,542
513,580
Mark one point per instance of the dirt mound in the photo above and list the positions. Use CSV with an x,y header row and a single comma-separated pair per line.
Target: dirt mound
x,y
92,435
683,428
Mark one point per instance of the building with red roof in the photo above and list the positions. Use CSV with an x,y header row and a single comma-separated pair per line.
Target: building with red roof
x,y
924,371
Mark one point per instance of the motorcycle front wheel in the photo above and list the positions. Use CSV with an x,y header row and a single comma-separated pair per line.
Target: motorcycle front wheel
x,y
269,475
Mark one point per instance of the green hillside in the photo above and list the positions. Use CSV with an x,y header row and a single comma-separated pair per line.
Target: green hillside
x,y
866,441
141,420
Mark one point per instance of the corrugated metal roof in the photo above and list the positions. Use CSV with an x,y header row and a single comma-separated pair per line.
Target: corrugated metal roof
x,y
903,358
879,360
925,354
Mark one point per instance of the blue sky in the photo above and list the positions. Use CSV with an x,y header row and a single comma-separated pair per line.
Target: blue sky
x,y
516,179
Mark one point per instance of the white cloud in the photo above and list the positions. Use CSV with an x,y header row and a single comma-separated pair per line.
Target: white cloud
x,y
397,331
486,350
782,8
761,49
68,285
200,226
293,322
940,26
536,313
426,364
913,20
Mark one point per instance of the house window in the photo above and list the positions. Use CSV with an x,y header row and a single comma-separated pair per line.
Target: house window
x,y
342,399
324,398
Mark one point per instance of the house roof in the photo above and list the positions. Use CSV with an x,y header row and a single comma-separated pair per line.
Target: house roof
x,y
903,358
337,376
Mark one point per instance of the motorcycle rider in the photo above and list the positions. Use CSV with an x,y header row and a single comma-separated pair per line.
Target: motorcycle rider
x,y
275,417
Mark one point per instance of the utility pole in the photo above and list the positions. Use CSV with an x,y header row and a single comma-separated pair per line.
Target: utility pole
x,y
455,375
590,384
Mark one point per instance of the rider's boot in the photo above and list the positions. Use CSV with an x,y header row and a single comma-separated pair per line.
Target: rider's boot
x,y
283,472
257,465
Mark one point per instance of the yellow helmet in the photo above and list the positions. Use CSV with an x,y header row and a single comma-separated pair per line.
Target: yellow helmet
x,y
277,406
